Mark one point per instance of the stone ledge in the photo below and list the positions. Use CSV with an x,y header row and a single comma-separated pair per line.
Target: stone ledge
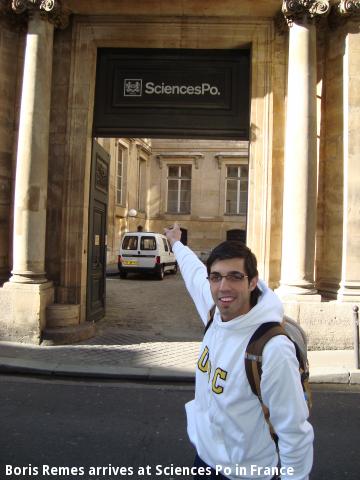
x,y
68,335
354,377
23,309
329,375
328,325
62,315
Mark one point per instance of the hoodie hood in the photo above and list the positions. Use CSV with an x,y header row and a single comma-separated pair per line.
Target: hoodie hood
x,y
268,309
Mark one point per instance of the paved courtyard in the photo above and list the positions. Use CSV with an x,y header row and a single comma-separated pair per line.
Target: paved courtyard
x,y
153,310
149,324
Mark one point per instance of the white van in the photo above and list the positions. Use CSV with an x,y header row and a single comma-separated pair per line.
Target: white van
x,y
146,252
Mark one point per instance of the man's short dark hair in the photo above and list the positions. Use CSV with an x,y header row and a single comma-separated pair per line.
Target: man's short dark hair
x,y
236,249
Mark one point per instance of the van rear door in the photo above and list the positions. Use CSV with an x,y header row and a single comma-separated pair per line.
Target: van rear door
x,y
139,251
129,251
148,251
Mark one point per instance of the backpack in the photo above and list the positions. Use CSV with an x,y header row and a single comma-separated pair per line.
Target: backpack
x,y
253,356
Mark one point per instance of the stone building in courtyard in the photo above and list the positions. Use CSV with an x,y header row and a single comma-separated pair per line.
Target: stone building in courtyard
x,y
273,82
201,184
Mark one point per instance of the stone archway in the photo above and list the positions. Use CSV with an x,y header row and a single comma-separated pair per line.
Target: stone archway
x,y
89,34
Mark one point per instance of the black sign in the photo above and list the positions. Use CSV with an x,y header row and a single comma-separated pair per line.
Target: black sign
x,y
172,93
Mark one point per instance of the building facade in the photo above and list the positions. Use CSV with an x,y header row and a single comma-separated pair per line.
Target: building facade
x,y
303,171
201,184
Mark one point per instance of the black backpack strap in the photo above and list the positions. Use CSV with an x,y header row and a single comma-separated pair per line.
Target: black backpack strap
x,y
210,318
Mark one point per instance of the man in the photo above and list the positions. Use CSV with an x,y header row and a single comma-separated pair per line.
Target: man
x,y
226,423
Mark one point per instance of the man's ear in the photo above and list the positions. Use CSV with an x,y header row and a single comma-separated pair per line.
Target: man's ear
x,y
253,283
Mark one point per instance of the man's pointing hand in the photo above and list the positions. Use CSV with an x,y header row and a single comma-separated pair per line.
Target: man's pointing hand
x,y
173,233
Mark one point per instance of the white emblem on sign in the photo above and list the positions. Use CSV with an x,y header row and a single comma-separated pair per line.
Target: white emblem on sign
x,y
132,87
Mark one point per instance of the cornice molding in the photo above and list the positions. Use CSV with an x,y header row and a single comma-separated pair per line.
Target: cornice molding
x,y
224,157
300,11
145,149
194,156
18,12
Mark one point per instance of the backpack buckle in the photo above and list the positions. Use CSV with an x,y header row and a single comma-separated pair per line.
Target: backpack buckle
x,y
253,358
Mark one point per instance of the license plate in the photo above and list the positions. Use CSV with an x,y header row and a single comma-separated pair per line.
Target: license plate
x,y
130,262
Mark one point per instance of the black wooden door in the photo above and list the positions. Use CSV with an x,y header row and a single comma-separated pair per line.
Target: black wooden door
x,y
96,278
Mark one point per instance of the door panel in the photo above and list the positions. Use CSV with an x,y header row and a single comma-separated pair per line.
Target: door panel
x,y
96,278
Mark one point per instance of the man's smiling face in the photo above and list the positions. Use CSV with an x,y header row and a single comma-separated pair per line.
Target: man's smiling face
x,y
231,296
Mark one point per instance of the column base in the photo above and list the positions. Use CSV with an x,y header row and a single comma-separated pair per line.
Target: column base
x,y
349,292
298,293
28,277
23,308
345,292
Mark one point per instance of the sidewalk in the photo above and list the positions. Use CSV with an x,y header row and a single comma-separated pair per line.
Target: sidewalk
x,y
157,339
146,357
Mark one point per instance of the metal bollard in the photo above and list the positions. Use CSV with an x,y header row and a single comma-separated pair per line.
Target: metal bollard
x,y
356,335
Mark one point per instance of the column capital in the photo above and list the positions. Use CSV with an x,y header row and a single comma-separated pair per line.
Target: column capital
x,y
20,6
348,8
299,11
344,11
50,10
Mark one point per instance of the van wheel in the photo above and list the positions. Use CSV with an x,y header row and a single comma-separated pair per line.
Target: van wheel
x,y
174,271
123,274
161,272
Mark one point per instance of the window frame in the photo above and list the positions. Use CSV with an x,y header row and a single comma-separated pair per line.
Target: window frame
x,y
141,185
123,151
127,241
120,158
239,182
143,240
179,179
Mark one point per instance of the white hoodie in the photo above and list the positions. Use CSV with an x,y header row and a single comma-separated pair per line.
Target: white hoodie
x,y
225,420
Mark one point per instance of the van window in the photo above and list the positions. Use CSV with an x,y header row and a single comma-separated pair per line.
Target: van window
x,y
130,243
147,243
165,245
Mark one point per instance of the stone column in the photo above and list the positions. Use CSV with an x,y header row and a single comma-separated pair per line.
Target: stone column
x,y
32,156
348,12
300,171
28,292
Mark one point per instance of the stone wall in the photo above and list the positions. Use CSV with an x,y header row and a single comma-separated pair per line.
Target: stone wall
x,y
57,152
11,62
328,325
207,222
331,166
118,220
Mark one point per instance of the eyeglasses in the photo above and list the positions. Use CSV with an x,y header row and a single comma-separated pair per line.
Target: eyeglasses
x,y
215,277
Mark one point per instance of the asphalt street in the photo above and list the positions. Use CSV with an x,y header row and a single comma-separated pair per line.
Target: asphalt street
x,y
48,424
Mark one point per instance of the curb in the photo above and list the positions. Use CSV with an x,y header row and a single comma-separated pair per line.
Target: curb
x,y
339,375
150,374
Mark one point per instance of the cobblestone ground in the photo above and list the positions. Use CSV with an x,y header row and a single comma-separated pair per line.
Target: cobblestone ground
x,y
152,310
148,324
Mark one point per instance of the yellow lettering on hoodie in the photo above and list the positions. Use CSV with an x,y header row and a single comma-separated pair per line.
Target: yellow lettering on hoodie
x,y
222,374
203,363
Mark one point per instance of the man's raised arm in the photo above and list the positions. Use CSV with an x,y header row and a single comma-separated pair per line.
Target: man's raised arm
x,y
193,271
